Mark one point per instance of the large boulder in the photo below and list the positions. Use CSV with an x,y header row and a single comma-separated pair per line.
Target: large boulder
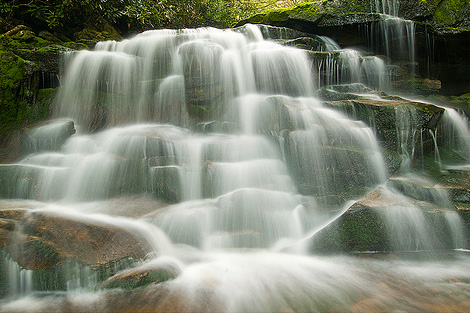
x,y
43,239
386,221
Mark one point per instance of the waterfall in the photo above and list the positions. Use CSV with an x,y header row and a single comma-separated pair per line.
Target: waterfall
x,y
210,147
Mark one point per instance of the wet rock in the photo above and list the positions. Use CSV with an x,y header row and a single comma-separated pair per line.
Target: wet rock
x,y
216,127
6,229
18,181
395,120
274,115
455,180
154,272
306,43
358,229
44,239
348,171
47,136
167,184
384,221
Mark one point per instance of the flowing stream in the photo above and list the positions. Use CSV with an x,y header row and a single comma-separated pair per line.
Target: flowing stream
x,y
211,144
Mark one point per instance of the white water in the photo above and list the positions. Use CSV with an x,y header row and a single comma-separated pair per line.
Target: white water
x,y
282,167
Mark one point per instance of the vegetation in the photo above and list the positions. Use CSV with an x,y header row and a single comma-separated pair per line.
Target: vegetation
x,y
70,16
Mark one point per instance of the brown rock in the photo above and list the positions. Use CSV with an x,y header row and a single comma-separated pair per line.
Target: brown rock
x,y
44,239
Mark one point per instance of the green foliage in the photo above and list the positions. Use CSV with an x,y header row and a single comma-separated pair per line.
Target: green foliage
x,y
136,14
187,13
452,12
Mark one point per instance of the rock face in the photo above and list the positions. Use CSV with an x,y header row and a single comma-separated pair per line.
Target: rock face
x,y
29,77
396,121
42,240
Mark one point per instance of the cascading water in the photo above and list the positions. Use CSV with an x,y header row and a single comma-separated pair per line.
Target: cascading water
x,y
210,145
394,37
334,65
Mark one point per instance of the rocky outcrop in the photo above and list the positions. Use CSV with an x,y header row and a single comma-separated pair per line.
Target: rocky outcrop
x,y
29,76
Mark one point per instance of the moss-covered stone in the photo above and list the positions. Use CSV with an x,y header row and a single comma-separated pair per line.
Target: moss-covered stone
x,y
13,106
452,14
358,230
371,225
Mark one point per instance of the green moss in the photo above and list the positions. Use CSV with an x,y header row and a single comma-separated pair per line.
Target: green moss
x,y
450,13
303,11
12,71
75,45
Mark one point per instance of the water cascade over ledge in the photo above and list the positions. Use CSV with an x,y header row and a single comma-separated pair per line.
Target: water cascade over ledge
x,y
204,175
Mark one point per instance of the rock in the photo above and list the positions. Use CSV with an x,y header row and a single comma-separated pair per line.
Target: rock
x,y
384,221
152,273
17,29
395,120
6,229
8,222
44,239
46,136
27,69
18,181
166,182
274,115
48,36
98,33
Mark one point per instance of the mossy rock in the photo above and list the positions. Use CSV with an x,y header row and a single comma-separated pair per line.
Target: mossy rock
x,y
453,14
13,106
357,230
98,33
365,227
